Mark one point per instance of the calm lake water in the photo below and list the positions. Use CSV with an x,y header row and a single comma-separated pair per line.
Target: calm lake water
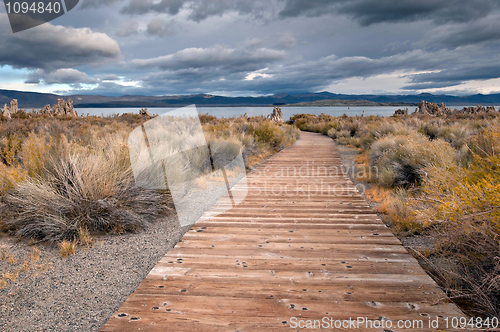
x,y
228,112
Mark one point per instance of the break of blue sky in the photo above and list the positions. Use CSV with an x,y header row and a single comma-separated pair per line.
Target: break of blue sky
x,y
162,47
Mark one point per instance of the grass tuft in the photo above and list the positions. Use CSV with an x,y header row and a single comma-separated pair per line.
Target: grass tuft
x,y
67,248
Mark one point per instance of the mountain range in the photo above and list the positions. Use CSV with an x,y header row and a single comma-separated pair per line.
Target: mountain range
x,y
38,100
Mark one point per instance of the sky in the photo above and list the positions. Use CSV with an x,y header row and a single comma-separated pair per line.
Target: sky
x,y
260,47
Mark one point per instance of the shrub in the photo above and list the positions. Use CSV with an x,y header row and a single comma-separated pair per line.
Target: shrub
x,y
463,206
79,193
401,159
268,132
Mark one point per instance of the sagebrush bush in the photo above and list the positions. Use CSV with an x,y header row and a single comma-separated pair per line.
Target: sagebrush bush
x,y
79,193
401,159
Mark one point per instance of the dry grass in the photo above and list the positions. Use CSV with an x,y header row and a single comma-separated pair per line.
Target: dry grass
x,y
259,137
67,248
23,263
84,237
35,255
70,179
365,170
80,193
11,276
25,267
11,260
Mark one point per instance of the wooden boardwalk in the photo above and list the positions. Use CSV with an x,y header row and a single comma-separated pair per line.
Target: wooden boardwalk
x,y
304,243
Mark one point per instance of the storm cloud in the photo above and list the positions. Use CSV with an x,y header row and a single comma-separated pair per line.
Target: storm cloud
x,y
260,47
368,12
217,57
199,9
52,47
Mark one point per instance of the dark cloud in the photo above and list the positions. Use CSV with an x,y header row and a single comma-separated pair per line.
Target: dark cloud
x,y
98,3
365,12
298,77
200,9
139,7
455,35
52,47
215,58
368,12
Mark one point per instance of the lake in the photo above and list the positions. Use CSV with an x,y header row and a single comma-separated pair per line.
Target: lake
x,y
228,112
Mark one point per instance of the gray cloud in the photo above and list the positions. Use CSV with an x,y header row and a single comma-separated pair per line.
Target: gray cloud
x,y
365,12
460,34
253,43
68,76
455,75
217,57
299,77
286,42
368,12
61,76
98,3
110,77
200,9
52,47
139,7
430,85
259,47
160,27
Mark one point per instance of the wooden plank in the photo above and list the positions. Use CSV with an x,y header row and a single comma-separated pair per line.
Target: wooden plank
x,y
307,254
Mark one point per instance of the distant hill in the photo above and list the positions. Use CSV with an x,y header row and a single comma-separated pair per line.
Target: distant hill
x,y
338,102
38,100
27,99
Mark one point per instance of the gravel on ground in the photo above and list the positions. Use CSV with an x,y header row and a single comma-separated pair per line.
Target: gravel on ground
x,y
81,291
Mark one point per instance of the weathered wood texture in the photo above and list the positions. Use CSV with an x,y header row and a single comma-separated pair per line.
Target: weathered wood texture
x,y
311,251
